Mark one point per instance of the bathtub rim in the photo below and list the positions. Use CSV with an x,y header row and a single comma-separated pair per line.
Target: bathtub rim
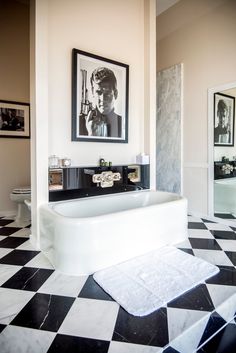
x,y
49,207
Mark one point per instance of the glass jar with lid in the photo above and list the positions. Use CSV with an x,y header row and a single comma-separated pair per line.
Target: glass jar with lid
x,y
53,161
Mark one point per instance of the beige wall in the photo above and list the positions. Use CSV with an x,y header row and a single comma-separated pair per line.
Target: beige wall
x,y
14,86
201,34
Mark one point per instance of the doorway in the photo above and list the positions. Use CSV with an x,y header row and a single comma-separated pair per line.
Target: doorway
x,y
222,153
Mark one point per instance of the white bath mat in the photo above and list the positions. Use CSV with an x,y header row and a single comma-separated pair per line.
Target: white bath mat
x,y
146,283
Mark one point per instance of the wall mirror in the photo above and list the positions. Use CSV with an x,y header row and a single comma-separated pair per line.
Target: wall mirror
x,y
223,151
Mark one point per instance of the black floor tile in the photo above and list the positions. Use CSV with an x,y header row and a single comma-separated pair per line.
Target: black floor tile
x,y
5,222
228,340
8,230
92,290
215,323
2,327
148,330
223,342
70,344
188,251
224,215
196,299
222,234
170,350
28,278
208,244
196,225
44,312
12,242
226,276
207,220
232,256
18,257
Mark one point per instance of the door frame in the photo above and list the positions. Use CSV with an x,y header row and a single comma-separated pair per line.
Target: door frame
x,y
210,101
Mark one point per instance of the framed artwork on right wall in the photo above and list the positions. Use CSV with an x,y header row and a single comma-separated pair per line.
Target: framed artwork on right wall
x,y
224,116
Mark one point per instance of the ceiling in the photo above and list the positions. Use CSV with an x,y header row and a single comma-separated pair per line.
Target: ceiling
x,y
163,5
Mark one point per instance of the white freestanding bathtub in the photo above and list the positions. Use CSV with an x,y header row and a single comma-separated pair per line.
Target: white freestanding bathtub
x,y
83,236
225,196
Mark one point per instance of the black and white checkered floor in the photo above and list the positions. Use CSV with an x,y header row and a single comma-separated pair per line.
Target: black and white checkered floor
x,y
42,310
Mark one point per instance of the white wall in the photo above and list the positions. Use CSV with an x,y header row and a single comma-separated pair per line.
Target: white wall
x,y
14,86
120,30
112,29
201,34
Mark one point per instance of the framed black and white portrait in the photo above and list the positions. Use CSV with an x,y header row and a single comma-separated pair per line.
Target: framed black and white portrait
x,y
14,119
224,116
99,98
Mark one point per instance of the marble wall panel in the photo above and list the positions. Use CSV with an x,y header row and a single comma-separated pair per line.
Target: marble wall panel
x,y
169,97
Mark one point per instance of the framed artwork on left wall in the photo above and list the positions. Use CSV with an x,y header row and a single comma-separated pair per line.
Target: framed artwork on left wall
x,y
14,119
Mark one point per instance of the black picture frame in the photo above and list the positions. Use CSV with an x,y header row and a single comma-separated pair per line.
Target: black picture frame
x,y
93,121
14,119
224,119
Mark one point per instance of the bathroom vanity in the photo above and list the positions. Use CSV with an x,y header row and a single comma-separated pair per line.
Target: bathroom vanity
x,y
225,188
75,182
224,169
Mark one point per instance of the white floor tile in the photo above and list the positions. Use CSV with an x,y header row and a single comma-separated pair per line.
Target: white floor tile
x,y
200,233
218,226
188,341
7,271
25,340
5,251
227,308
118,347
215,257
27,245
194,219
61,284
40,261
184,244
24,232
2,236
227,245
97,319
11,303
19,225
186,318
10,217
220,294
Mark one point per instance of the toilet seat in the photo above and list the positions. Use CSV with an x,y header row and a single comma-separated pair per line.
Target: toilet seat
x,y
22,190
19,195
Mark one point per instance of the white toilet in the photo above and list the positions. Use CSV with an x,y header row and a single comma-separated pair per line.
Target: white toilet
x,y
19,195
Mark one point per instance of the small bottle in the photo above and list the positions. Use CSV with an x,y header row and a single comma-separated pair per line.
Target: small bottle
x,y
102,162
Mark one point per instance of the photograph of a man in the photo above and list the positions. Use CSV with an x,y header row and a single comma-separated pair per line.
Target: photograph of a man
x,y
103,120
224,120
10,121
100,93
